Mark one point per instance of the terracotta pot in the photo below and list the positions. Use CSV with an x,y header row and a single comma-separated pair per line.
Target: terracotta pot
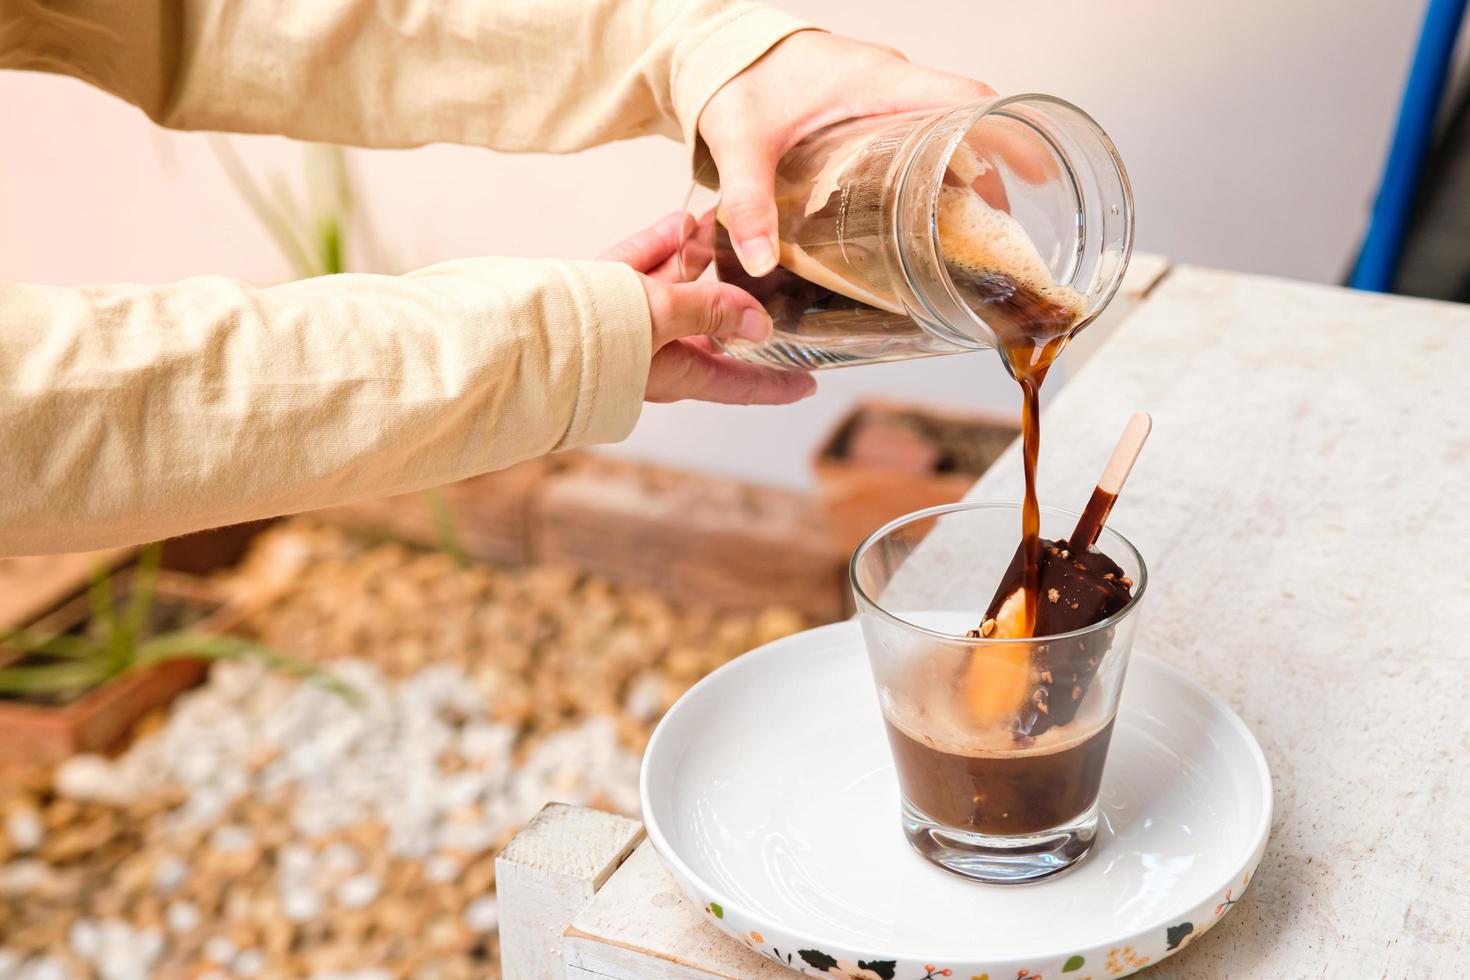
x,y
897,470
40,735
33,586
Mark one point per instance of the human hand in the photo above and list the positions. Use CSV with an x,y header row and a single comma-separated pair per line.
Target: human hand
x,y
807,81
688,315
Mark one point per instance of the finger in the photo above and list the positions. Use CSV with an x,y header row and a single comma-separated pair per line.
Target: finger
x,y
703,248
689,262
711,309
682,370
907,86
653,245
892,52
967,169
1023,150
747,162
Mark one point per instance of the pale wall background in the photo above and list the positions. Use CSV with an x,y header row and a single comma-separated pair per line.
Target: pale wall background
x,y
1253,132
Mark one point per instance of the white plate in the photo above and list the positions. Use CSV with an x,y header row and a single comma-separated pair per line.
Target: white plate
x,y
769,792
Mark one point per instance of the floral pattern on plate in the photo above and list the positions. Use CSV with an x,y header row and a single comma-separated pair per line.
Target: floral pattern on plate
x,y
1115,961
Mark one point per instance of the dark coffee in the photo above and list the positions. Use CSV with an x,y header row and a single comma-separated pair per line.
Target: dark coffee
x,y
1001,793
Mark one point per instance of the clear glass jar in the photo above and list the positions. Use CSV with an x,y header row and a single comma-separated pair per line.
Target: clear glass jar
x,y
940,232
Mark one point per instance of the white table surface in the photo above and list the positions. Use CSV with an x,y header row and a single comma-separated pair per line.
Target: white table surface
x,y
1303,505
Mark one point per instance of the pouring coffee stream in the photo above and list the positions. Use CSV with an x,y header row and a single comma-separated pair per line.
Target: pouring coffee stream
x,y
1004,224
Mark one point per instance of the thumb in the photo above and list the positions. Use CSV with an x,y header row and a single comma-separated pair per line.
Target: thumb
x,y
703,309
748,200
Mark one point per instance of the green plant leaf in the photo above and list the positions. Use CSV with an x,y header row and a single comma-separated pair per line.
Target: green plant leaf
x,y
329,242
328,186
284,227
103,614
716,910
189,645
329,202
1074,963
72,675
141,594
62,645
297,220
444,528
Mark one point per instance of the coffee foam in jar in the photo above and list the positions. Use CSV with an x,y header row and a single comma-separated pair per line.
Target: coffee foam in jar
x,y
985,243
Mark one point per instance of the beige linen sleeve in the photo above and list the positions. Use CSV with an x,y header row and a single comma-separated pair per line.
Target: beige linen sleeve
x,y
544,75
130,413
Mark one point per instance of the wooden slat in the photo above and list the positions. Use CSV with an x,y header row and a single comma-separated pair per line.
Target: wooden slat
x,y
546,875
641,927
490,514
696,538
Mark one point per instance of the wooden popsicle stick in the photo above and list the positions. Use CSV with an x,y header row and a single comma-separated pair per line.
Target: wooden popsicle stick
x,y
1120,464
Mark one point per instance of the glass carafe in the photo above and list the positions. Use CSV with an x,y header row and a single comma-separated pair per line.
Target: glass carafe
x,y
932,232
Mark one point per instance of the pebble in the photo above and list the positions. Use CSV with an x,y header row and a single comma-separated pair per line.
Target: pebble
x,y
114,948
231,839
295,860
259,798
24,828
339,858
20,878
250,963
358,891
441,868
84,938
220,950
483,914
182,917
300,904
92,778
646,697
170,873
43,968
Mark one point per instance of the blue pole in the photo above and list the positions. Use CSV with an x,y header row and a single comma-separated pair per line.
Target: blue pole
x,y
1379,259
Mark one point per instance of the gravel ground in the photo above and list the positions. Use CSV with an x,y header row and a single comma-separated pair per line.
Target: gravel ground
x,y
267,827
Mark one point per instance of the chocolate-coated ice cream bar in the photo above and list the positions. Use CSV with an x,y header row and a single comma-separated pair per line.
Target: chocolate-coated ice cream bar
x,y
1077,591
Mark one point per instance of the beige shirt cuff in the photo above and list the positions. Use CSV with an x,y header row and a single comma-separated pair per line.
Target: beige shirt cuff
x,y
617,347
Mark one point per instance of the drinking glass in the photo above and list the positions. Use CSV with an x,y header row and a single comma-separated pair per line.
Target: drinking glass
x,y
999,783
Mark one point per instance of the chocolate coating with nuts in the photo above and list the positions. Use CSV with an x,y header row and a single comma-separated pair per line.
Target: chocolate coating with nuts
x,y
1077,590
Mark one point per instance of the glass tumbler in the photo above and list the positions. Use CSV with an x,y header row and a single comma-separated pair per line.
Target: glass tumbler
x,y
932,232
986,792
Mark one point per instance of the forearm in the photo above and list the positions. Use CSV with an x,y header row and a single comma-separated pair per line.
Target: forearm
x,y
550,75
132,413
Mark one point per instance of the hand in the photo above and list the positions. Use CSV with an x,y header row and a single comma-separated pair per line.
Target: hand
x,y
808,81
688,315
